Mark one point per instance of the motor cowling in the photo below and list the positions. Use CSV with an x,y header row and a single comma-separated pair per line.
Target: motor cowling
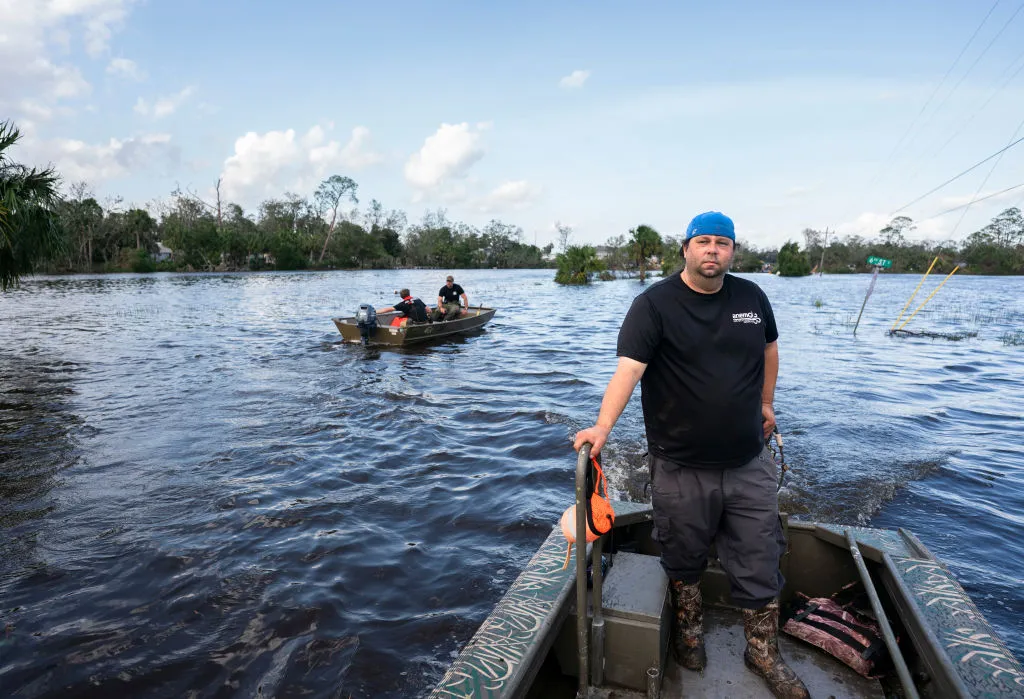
x,y
366,320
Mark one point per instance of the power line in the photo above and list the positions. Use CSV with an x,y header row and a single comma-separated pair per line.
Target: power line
x,y
985,181
881,170
980,109
956,177
977,60
975,201
932,96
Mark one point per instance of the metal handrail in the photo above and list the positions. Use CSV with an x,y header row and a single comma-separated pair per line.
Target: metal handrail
x,y
582,632
883,622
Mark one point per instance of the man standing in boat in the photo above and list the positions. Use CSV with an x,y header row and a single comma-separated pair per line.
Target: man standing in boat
x,y
703,346
448,301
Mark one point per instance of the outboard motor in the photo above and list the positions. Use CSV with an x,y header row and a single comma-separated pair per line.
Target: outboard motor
x,y
366,319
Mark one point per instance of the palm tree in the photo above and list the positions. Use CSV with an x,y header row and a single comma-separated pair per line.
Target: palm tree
x,y
576,264
644,242
29,229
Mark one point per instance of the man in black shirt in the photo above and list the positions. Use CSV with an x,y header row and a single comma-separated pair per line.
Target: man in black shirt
x,y
703,346
448,301
413,309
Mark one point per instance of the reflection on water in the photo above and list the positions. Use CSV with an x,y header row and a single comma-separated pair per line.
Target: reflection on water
x,y
37,443
204,492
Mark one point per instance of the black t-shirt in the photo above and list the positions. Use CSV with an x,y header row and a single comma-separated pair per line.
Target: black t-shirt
x,y
701,391
450,295
415,309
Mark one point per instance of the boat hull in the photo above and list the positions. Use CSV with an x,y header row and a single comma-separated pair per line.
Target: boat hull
x,y
527,646
471,320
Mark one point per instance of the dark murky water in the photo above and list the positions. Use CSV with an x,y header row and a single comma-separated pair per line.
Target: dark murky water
x,y
204,493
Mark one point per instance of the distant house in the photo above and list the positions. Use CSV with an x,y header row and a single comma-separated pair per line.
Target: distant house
x,y
162,252
603,252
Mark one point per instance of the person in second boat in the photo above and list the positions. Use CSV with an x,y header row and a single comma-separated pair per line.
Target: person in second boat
x,y
703,345
448,307
412,309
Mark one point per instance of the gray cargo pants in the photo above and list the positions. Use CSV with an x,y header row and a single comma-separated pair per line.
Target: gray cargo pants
x,y
737,509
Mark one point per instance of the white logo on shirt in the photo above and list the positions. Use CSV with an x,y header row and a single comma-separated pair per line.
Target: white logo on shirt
x,y
749,317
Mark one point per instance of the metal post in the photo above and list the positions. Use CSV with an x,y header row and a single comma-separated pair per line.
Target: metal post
x,y
653,683
597,625
910,691
582,635
866,297
821,265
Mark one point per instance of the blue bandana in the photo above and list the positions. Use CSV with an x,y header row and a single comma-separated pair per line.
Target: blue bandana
x,y
711,223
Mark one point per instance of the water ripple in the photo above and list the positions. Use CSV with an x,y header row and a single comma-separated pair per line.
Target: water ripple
x,y
205,493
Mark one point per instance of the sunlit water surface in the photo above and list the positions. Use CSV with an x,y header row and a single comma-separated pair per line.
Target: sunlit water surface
x,y
204,493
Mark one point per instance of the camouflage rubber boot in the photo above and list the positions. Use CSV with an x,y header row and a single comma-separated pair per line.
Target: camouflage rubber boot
x,y
688,627
761,627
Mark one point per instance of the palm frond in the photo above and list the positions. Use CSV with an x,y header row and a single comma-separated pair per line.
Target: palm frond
x,y
29,228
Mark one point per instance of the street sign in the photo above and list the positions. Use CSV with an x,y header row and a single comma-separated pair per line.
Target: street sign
x,y
879,262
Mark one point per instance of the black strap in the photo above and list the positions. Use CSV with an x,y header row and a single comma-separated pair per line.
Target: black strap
x,y
833,631
865,651
871,634
590,510
801,614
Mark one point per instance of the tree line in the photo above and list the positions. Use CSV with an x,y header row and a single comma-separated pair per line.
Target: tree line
x,y
288,233
997,248
45,230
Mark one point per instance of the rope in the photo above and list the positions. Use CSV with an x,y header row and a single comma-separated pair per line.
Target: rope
x,y
928,299
778,455
907,305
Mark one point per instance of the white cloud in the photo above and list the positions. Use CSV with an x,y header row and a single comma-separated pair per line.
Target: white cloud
x,y
34,33
355,154
446,155
35,110
164,106
799,191
513,194
96,163
574,79
994,196
869,223
267,164
126,68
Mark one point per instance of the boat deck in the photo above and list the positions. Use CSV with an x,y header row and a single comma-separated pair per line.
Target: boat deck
x,y
527,646
727,676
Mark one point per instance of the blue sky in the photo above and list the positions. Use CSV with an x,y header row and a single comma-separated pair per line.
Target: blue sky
x,y
600,115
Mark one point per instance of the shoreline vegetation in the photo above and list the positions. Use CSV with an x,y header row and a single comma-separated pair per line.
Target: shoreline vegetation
x,y
49,231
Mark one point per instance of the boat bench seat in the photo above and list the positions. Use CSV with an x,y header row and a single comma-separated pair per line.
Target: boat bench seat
x,y
637,619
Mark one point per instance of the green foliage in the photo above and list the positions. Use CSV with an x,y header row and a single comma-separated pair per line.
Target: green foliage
x,y
328,197
194,238
671,260
576,264
792,262
142,262
747,259
41,230
286,248
29,227
644,243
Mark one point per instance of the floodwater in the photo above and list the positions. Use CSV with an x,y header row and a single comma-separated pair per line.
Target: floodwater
x,y
204,493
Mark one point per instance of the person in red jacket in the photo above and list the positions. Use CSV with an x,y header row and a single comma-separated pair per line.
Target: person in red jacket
x,y
411,308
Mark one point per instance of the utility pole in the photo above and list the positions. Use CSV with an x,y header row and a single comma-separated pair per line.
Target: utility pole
x,y
821,265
